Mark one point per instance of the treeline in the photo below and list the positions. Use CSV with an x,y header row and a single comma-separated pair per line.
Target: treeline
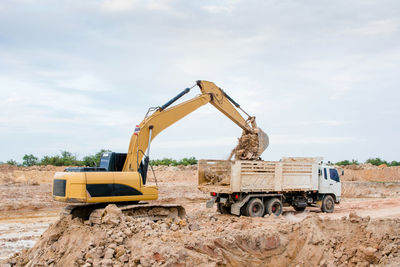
x,y
173,162
373,161
68,159
64,159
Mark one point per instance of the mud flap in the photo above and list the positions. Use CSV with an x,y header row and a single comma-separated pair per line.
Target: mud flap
x,y
211,202
235,208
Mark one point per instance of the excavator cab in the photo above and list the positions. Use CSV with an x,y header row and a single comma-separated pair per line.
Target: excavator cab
x,y
106,183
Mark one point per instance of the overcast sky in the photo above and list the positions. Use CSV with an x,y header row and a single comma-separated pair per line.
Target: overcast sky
x,y
321,77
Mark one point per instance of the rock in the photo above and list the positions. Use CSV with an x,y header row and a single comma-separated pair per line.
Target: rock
x,y
354,218
174,227
124,258
109,254
127,232
112,245
369,253
119,251
194,227
111,215
106,262
119,240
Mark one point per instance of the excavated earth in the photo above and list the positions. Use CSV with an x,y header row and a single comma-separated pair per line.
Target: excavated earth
x,y
364,230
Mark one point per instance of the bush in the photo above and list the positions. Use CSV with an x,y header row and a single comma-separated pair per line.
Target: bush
x,y
394,163
376,161
12,162
173,162
188,161
347,162
65,159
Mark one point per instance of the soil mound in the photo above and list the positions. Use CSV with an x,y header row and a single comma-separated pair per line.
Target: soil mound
x,y
211,240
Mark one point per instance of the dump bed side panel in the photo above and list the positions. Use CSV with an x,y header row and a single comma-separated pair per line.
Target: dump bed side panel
x,y
297,176
215,176
254,176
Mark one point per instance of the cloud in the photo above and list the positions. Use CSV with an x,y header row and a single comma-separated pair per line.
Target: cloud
x,y
196,143
129,5
372,29
300,68
323,123
312,140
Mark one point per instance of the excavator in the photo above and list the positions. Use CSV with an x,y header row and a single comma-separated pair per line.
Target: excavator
x,y
121,177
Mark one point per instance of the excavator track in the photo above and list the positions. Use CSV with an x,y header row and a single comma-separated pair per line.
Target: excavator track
x,y
155,212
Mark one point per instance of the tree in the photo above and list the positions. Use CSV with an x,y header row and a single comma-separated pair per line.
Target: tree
x,y
94,160
29,160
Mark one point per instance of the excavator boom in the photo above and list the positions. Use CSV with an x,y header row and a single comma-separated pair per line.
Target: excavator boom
x,y
165,116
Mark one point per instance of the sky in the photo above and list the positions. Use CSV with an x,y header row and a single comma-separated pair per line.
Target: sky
x,y
321,77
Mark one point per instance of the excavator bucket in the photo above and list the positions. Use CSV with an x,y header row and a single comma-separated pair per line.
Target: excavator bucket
x,y
263,141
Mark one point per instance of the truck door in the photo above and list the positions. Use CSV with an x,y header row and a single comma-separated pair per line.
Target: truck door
x,y
324,181
334,183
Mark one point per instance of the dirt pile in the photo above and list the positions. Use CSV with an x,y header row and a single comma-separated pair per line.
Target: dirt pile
x,y
214,178
33,175
369,172
211,240
362,189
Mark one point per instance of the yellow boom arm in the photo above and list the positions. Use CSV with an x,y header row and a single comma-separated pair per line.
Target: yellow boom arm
x,y
163,117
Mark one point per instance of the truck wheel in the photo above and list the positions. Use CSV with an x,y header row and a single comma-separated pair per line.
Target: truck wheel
x,y
274,206
223,209
254,208
328,204
299,208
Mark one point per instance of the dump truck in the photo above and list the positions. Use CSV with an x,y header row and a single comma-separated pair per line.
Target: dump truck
x,y
257,188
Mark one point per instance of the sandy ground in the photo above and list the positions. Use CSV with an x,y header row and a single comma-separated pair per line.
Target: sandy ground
x,y
27,210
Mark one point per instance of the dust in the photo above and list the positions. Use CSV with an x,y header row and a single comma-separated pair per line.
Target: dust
x,y
215,240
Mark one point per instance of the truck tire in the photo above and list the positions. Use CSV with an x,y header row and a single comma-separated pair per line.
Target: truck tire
x,y
328,204
254,208
274,206
223,209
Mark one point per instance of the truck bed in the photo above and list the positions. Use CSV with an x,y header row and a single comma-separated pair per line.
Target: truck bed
x,y
289,174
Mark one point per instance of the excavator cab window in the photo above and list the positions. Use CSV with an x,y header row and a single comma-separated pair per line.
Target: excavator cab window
x,y
143,169
113,162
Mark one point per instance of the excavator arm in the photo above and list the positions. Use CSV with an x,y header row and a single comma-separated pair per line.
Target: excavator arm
x,y
165,116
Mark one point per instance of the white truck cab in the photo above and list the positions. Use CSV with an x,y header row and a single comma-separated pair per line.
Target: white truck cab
x,y
329,181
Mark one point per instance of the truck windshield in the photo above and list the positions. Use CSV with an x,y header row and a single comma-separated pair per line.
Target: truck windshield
x,y
334,175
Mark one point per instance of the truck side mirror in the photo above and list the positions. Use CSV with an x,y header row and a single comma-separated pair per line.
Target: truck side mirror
x,y
342,172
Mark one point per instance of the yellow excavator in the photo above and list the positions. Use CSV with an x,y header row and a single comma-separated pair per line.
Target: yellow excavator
x,y
121,177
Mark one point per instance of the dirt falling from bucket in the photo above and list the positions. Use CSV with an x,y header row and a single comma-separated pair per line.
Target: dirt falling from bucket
x,y
247,147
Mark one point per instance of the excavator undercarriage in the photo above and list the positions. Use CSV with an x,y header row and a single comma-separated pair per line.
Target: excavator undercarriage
x,y
155,212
